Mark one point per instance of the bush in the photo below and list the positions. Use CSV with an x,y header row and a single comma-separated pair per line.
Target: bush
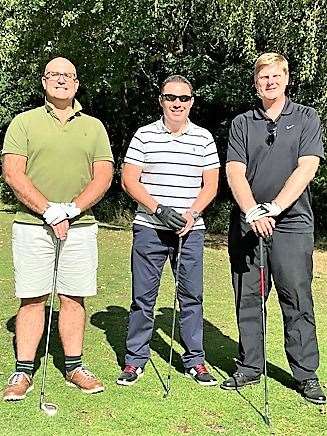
x,y
319,191
217,217
117,209
7,195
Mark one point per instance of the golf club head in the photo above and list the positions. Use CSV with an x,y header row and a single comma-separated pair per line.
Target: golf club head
x,y
267,420
49,409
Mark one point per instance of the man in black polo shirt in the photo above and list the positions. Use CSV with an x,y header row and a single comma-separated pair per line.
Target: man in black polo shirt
x,y
273,154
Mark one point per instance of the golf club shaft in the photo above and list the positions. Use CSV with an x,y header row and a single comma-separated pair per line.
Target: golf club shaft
x,y
178,262
263,311
54,285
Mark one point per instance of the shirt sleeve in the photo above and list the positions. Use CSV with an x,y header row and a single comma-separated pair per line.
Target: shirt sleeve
x,y
236,150
16,139
103,148
136,151
311,137
211,159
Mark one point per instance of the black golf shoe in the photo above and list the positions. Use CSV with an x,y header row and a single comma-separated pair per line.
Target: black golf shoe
x,y
239,380
201,375
311,390
130,375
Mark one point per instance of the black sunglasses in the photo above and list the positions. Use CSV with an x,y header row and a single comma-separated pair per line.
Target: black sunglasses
x,y
272,132
173,97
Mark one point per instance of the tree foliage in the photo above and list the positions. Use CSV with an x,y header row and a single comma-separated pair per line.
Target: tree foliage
x,y
124,49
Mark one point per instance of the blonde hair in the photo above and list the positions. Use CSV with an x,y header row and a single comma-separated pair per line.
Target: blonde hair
x,y
268,59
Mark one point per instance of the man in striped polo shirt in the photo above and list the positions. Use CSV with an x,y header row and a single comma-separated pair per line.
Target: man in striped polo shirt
x,y
171,170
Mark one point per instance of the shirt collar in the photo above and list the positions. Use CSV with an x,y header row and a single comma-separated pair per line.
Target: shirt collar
x,y
259,113
76,109
164,128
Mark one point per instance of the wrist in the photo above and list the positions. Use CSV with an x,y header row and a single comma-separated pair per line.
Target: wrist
x,y
153,209
274,202
194,213
159,209
45,208
71,210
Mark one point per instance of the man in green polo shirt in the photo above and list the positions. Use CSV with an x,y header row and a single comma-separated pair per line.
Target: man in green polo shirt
x,y
58,162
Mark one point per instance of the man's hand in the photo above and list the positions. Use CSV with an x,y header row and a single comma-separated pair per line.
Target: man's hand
x,y
190,220
71,210
54,214
170,218
262,210
263,227
60,230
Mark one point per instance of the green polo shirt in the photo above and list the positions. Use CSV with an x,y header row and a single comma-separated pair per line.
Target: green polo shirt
x,y
59,156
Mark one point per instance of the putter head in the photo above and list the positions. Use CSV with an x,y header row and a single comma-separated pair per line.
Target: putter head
x,y
49,409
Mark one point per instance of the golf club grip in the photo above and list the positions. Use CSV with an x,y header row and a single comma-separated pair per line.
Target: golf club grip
x,y
261,257
178,263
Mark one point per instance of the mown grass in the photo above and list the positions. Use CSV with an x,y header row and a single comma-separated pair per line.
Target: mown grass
x,y
141,409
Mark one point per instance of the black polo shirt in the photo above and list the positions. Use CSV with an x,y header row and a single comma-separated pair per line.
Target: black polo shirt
x,y
270,163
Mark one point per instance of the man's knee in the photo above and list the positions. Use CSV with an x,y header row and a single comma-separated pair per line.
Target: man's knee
x,y
36,303
71,301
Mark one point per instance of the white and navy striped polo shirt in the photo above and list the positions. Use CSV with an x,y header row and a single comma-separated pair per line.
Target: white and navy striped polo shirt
x,y
172,167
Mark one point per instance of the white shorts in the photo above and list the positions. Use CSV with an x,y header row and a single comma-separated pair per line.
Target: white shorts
x,y
33,249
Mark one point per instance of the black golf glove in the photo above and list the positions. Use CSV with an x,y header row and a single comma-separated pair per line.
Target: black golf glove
x,y
169,217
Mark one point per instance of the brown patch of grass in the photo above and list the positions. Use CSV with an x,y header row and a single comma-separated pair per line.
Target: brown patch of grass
x,y
320,262
183,428
217,428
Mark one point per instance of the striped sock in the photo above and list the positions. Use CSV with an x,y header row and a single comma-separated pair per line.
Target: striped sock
x,y
72,362
26,366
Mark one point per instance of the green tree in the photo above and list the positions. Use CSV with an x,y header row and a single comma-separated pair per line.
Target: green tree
x,y
124,49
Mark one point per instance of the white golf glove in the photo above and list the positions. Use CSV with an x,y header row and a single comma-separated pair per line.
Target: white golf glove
x,y
71,210
262,210
54,214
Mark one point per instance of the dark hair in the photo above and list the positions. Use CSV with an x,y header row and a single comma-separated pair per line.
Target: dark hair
x,y
176,78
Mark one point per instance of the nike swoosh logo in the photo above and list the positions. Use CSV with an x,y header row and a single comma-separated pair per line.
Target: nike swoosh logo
x,y
289,127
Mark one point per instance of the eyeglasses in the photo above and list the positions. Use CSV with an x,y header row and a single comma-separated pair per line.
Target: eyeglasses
x,y
55,75
272,132
173,97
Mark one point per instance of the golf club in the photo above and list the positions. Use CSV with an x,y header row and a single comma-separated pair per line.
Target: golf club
x,y
178,260
49,409
263,312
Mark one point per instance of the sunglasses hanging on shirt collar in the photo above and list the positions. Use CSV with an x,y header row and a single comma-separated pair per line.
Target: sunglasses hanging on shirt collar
x,y
272,132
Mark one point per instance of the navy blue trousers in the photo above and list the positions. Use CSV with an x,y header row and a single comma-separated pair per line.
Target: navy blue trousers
x,y
151,249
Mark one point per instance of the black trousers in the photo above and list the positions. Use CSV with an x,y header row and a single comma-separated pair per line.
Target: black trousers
x,y
288,261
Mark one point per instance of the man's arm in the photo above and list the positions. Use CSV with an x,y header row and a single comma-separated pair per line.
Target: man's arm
x,y
243,195
298,181
239,185
13,168
208,192
131,184
97,187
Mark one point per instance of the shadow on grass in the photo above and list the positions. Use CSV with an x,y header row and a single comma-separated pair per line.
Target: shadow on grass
x,y
220,349
215,241
114,323
55,347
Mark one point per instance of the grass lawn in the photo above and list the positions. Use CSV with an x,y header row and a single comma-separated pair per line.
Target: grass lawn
x,y
141,409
